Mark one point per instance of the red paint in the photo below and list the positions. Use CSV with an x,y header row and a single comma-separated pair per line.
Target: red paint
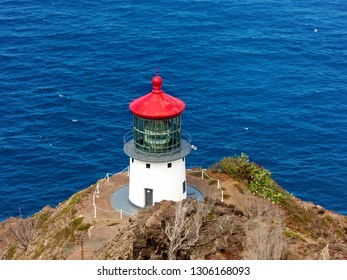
x,y
157,104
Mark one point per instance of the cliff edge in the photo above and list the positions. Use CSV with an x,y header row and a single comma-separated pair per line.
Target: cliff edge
x,y
245,215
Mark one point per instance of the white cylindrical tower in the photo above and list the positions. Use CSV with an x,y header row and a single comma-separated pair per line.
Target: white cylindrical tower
x,y
157,148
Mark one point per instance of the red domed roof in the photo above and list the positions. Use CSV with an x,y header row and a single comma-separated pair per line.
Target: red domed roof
x,y
157,104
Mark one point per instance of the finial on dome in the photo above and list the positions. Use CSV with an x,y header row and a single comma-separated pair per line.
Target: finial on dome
x,y
157,82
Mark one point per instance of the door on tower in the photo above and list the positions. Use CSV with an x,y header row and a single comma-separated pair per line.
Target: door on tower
x,y
148,197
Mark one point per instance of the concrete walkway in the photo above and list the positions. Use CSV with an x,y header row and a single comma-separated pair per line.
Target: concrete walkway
x,y
120,201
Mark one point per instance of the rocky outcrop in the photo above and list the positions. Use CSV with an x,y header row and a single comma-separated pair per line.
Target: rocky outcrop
x,y
244,226
220,234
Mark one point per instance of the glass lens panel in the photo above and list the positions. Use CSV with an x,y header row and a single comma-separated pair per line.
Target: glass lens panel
x,y
157,136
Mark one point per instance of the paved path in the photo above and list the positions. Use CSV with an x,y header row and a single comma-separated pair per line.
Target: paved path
x,y
105,218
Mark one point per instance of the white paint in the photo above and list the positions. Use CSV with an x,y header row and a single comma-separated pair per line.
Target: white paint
x,y
166,183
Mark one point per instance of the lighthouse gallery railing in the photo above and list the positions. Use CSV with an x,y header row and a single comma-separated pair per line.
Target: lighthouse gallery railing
x,y
132,152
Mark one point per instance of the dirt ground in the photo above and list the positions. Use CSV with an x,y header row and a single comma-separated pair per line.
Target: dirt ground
x,y
104,218
307,239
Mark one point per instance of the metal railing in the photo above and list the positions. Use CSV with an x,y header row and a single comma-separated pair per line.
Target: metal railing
x,y
123,212
131,151
97,192
204,174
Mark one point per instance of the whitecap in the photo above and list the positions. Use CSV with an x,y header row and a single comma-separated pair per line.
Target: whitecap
x,y
315,30
74,120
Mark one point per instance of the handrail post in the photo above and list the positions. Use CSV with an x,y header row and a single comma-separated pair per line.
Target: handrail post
x,y
94,205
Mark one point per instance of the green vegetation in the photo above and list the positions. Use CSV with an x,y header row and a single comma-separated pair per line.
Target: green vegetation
x,y
294,235
211,217
77,222
11,252
38,251
303,223
78,225
75,199
212,182
68,233
226,195
257,179
43,216
65,233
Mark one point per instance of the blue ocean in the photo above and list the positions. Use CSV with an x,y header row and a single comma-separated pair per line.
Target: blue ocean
x,y
268,78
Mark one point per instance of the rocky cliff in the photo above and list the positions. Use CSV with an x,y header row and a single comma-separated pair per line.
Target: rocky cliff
x,y
244,226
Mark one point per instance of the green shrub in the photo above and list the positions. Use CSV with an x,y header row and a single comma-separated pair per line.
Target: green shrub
x,y
226,195
84,227
66,234
78,225
11,252
44,216
294,235
38,251
258,179
77,222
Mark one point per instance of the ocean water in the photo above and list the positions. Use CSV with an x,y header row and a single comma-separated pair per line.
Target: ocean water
x,y
268,78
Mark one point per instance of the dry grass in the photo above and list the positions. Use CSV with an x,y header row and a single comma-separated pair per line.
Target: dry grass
x,y
24,231
184,230
265,238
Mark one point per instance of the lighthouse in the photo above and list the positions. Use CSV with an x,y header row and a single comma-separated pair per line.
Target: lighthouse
x,y
157,148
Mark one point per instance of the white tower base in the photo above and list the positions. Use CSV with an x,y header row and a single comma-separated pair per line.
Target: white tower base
x,y
151,182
